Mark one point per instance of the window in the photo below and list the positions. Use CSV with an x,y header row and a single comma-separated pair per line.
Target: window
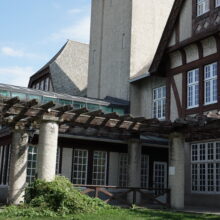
x,y
202,7
205,167
144,170
210,77
123,167
217,3
160,175
4,164
99,168
159,102
80,164
32,164
46,88
193,88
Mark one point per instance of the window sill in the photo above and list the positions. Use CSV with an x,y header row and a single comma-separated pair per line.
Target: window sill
x,y
196,106
210,103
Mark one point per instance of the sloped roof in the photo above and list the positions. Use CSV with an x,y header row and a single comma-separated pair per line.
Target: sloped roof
x,y
166,35
36,75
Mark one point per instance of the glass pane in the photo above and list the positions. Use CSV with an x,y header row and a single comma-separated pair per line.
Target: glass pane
x,y
21,96
92,107
65,102
49,99
4,93
119,111
79,104
106,109
37,97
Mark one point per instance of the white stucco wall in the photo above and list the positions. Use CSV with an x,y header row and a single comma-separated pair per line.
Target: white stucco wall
x,y
145,96
185,22
192,53
209,46
175,59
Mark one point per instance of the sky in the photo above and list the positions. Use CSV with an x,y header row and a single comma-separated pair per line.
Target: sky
x,y
33,31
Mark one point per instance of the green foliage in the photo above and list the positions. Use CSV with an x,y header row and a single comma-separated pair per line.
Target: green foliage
x,y
56,198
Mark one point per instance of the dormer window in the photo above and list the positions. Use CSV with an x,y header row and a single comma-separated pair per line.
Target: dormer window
x,y
217,3
203,7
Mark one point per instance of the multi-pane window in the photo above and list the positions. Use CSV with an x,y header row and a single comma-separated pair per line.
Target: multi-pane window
x,y
44,85
80,164
144,170
99,168
123,170
159,102
160,175
217,3
58,165
210,77
193,88
32,164
205,167
4,164
202,7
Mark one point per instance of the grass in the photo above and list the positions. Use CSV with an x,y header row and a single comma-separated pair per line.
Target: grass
x,y
131,214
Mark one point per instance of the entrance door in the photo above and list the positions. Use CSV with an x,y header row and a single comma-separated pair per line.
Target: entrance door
x,y
160,175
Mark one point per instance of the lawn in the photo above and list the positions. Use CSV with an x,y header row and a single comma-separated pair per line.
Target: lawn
x,y
133,214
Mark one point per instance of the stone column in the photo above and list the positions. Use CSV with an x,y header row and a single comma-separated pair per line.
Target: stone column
x,y
134,167
47,149
177,170
18,167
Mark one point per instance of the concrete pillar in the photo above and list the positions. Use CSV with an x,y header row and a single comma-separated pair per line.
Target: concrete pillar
x,y
134,167
177,170
47,150
18,167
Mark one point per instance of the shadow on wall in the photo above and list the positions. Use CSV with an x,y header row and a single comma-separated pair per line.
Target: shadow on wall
x,y
62,83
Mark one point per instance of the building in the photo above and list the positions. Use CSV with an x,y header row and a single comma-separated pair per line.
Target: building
x,y
184,81
170,75
66,72
123,40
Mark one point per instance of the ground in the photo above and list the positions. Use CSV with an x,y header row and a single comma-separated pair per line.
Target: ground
x,y
132,214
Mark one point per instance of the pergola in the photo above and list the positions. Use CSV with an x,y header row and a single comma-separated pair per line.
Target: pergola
x,y
25,116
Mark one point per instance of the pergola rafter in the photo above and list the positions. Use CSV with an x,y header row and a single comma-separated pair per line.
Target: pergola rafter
x,y
14,113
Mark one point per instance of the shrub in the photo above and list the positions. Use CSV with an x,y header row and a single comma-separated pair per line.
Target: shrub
x,y
56,198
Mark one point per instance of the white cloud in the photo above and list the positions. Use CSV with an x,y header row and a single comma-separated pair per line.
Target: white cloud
x,y
16,75
79,31
74,11
9,51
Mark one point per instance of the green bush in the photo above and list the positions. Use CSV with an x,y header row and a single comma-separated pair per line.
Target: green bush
x,y
56,198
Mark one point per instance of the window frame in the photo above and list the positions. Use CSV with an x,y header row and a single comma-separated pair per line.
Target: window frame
x,y
159,99
211,79
205,163
217,3
195,83
201,4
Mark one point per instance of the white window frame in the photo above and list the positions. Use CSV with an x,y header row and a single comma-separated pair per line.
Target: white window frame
x,y
159,103
79,179
193,88
96,180
4,164
144,171
205,168
31,159
123,170
203,6
217,3
165,174
210,83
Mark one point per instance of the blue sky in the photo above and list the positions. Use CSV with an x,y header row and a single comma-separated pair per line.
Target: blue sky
x,y
32,31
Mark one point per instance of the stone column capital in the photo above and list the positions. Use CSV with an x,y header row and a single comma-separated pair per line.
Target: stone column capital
x,y
49,118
